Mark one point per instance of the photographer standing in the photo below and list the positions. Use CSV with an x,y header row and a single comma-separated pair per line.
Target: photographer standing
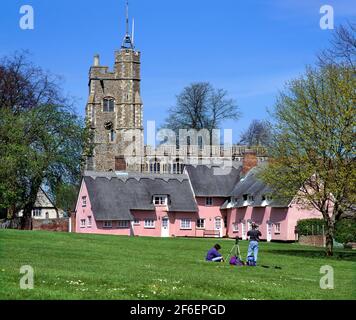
x,y
254,237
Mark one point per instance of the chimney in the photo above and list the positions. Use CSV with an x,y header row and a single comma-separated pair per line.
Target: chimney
x,y
249,161
96,60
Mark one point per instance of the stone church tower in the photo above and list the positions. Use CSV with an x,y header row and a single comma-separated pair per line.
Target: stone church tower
x,y
114,111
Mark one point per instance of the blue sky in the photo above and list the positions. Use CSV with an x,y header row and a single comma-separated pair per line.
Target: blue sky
x,y
249,48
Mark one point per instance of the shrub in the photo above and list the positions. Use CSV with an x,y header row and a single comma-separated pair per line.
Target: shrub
x,y
310,227
345,231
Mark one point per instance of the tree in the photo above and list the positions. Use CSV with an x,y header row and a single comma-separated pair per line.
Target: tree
x,y
259,133
66,196
313,151
343,48
200,106
41,138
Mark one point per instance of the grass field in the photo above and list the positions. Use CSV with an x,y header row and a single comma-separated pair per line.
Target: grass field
x,y
74,266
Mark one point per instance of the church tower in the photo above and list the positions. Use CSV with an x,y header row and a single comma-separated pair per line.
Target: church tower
x,y
114,111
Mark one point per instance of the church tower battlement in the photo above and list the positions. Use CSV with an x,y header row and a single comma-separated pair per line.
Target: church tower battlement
x,y
114,110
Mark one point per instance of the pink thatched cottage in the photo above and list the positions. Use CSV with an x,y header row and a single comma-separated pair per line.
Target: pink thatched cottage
x,y
204,201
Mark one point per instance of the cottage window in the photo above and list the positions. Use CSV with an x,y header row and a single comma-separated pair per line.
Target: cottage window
x,y
109,105
209,201
89,221
107,224
160,200
82,223
136,222
186,224
235,227
277,228
201,224
84,201
149,224
37,213
123,224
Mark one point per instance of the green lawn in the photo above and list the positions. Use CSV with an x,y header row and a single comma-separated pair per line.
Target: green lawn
x,y
74,266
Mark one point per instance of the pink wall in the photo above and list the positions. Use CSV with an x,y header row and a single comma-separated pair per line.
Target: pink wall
x,y
287,219
84,212
209,213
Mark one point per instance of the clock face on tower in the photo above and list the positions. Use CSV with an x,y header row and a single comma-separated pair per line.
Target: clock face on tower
x,y
108,125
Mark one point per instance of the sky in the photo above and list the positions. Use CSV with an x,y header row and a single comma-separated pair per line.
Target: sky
x,y
249,48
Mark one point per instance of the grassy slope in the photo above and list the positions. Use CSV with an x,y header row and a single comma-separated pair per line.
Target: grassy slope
x,y
110,267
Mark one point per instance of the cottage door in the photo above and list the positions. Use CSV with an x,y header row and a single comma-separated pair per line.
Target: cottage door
x,y
243,231
165,227
218,226
269,231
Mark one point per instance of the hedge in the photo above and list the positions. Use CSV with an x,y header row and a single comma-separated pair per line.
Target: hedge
x,y
345,229
310,227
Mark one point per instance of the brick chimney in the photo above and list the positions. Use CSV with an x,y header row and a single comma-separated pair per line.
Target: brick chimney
x,y
249,161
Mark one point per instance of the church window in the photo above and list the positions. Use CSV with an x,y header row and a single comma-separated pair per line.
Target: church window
x,y
109,105
112,136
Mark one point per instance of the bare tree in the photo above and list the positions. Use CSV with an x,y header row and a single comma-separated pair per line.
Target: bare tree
x,y
259,133
343,47
201,106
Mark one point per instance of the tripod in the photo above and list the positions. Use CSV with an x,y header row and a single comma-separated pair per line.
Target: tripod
x,y
235,250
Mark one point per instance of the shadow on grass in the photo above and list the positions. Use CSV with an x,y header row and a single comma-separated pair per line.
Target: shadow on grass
x,y
338,255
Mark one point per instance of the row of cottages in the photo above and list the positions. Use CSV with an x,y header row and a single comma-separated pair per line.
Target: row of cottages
x,y
202,202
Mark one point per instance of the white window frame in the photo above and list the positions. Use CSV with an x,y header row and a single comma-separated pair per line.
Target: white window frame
x,y
82,223
184,226
37,213
122,224
89,221
162,200
235,227
107,224
136,222
209,201
84,201
149,224
277,228
203,224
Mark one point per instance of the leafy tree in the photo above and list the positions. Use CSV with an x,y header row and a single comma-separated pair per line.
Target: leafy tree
x,y
41,138
259,133
345,231
313,152
201,106
66,196
313,148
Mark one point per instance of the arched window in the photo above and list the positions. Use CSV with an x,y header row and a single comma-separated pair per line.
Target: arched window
x,y
109,104
112,136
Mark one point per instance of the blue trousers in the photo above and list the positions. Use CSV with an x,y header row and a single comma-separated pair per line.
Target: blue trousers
x,y
253,249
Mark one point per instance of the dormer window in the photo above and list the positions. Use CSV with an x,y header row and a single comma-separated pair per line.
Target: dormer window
x,y
266,200
248,199
109,104
160,200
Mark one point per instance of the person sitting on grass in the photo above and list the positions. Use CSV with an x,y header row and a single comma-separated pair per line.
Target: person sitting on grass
x,y
214,255
254,236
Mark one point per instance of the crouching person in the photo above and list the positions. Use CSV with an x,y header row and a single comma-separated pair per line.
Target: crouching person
x,y
214,254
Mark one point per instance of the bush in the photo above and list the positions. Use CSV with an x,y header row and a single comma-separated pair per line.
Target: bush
x,y
345,231
310,227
